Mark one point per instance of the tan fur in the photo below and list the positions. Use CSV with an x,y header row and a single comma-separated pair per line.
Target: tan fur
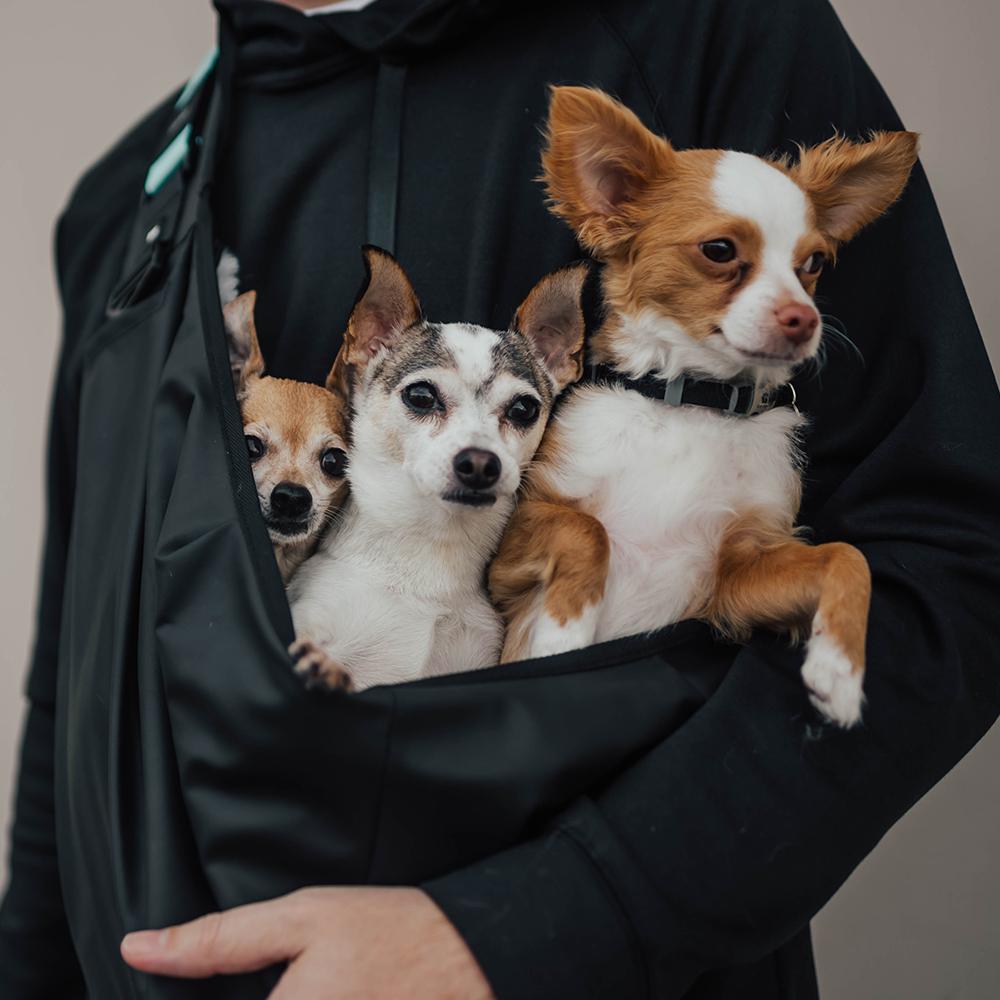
x,y
644,209
318,669
551,551
767,578
245,356
296,420
852,184
648,235
388,294
338,379
554,552
542,318
296,407
595,160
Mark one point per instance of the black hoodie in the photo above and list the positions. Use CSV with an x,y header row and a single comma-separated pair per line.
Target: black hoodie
x,y
415,124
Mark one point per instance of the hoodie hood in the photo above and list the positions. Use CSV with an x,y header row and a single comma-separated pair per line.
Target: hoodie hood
x,y
275,46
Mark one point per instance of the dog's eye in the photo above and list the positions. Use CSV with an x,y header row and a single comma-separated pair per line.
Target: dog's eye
x,y
719,251
523,411
422,397
815,263
333,462
255,446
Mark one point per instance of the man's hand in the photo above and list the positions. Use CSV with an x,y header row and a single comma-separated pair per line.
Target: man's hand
x,y
339,943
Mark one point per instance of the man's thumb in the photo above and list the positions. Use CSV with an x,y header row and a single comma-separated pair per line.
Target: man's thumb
x,y
244,939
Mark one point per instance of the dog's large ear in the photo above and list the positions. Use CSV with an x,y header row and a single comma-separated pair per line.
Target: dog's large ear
x,y
338,380
852,183
245,359
598,160
386,308
552,319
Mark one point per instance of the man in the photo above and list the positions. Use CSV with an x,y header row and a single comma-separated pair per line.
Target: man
x,y
695,871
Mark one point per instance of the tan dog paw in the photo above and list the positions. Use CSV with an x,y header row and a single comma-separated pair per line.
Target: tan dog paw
x,y
317,669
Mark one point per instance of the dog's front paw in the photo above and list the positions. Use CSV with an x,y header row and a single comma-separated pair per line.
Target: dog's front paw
x,y
833,681
317,669
552,637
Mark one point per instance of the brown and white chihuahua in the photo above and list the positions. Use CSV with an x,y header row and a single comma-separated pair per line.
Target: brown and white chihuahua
x,y
649,502
296,436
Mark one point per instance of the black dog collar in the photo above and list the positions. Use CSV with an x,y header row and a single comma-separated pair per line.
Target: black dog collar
x,y
742,399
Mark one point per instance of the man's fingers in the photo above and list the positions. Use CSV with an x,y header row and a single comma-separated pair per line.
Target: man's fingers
x,y
244,939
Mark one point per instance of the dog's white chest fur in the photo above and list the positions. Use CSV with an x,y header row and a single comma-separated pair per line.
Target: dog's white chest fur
x,y
386,619
666,482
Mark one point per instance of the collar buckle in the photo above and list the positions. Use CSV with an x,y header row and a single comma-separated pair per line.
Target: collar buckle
x,y
741,399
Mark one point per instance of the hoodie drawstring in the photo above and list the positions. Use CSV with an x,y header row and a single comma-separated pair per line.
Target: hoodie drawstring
x,y
385,155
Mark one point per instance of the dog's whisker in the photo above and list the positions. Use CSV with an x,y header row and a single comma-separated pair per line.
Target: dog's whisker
x,y
835,333
332,516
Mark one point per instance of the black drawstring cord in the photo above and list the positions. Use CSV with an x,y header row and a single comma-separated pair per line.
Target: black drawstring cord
x,y
385,156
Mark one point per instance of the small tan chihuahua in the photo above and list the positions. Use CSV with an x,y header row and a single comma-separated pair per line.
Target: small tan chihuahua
x,y
296,436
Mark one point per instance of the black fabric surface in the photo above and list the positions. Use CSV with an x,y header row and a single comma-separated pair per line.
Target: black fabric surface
x,y
695,869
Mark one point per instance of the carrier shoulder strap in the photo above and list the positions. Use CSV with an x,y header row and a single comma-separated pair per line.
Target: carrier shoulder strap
x,y
168,203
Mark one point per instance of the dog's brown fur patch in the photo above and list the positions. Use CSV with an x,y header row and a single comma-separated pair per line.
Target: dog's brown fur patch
x,y
767,578
851,184
645,208
297,408
554,552
296,422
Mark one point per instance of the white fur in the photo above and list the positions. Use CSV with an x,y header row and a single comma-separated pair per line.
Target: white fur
x,y
475,409
227,273
472,347
397,602
835,686
647,341
748,187
397,593
549,637
666,482
300,465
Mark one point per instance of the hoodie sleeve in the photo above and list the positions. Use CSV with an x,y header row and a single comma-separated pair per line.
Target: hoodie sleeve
x,y
721,844
37,958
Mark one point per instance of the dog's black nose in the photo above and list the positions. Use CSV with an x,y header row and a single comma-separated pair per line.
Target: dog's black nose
x,y
477,469
291,502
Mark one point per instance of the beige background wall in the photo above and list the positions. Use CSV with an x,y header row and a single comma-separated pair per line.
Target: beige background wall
x,y
920,920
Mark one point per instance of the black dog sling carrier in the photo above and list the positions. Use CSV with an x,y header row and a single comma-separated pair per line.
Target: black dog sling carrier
x,y
194,770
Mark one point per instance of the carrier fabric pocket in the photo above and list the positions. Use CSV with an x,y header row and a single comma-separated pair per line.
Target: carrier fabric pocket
x,y
280,784
476,767
195,770
286,787
275,781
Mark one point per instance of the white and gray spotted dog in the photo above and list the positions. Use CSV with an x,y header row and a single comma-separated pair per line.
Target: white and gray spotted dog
x,y
445,420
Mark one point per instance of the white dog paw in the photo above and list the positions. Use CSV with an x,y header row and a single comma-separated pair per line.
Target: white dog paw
x,y
834,685
550,637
